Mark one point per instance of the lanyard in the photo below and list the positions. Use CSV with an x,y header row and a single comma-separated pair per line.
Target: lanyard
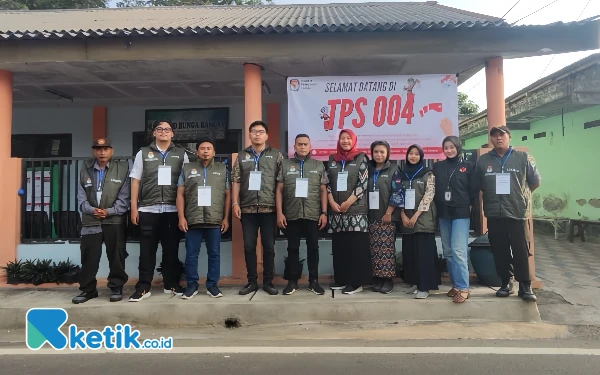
x,y
204,176
410,179
343,165
301,168
375,177
503,160
164,156
100,176
452,174
256,157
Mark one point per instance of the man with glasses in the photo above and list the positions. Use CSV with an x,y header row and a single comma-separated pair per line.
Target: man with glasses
x,y
254,177
154,177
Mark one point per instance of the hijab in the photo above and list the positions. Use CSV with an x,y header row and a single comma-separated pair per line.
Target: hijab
x,y
342,155
456,141
411,169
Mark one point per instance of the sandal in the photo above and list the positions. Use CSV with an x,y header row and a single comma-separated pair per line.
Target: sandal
x,y
461,296
452,292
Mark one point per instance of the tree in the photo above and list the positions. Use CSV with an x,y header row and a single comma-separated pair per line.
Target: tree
x,y
51,4
163,3
466,106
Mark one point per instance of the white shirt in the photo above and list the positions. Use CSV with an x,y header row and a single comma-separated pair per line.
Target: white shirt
x,y
136,172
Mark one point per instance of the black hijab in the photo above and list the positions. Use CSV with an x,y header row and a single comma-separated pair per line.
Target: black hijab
x,y
410,169
456,141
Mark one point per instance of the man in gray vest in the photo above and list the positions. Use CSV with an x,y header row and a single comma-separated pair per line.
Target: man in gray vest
x,y
254,177
154,176
507,178
103,191
301,201
203,205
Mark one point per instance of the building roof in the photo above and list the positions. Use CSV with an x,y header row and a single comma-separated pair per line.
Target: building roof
x,y
225,20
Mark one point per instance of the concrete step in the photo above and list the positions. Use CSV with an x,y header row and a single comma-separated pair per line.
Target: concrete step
x,y
160,310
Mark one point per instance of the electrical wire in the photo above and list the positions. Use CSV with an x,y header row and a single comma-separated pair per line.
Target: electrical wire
x,y
531,14
511,8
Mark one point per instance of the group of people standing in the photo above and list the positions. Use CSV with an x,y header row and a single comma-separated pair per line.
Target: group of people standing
x,y
360,200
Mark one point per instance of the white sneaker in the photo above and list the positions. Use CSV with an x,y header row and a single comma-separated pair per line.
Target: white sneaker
x,y
422,295
412,289
351,290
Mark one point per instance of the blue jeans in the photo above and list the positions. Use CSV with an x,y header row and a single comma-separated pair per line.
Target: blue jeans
x,y
193,241
455,243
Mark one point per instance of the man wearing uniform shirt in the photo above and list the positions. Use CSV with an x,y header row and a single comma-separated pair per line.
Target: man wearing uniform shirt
x,y
203,205
154,176
103,191
254,178
301,201
507,178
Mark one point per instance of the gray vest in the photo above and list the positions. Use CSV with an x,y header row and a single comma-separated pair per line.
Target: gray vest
x,y
517,204
384,187
267,164
114,176
216,178
150,192
352,167
426,223
302,208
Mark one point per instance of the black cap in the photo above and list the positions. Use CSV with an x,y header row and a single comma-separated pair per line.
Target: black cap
x,y
504,129
102,142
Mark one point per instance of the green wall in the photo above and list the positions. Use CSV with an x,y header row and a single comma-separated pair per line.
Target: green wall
x,y
569,165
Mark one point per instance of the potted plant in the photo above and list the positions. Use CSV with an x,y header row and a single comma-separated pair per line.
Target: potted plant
x,y
13,271
65,272
27,272
43,272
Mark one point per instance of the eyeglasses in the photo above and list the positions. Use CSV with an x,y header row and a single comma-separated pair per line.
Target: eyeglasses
x,y
258,132
163,130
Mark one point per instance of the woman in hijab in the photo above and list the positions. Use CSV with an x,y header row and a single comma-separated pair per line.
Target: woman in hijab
x,y
382,218
454,196
348,222
418,214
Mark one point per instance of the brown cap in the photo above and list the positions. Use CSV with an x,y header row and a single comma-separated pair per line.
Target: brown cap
x,y
503,129
102,142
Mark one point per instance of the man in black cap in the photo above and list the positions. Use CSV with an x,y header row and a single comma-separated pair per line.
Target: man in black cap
x,y
507,178
103,191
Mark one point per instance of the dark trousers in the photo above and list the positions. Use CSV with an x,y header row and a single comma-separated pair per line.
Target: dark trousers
x,y
267,223
155,228
113,236
193,241
310,229
504,235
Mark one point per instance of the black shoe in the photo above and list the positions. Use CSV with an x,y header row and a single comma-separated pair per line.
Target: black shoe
x,y
291,288
214,292
336,286
526,293
349,289
178,290
84,297
314,287
190,291
116,294
271,290
506,290
251,287
387,286
377,283
139,295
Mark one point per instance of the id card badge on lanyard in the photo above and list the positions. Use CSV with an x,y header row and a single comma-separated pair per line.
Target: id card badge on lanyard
x,y
255,175
164,171
503,179
448,191
410,194
204,194
374,195
301,183
342,179
99,187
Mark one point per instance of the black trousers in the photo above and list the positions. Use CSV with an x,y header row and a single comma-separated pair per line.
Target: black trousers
x,y
310,229
155,228
504,235
113,236
267,223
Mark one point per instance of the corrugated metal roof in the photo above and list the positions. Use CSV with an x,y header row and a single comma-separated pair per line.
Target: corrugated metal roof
x,y
224,20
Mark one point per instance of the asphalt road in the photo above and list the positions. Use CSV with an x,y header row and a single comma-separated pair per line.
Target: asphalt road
x,y
298,364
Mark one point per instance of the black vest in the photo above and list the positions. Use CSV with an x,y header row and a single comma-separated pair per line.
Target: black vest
x,y
150,192
114,176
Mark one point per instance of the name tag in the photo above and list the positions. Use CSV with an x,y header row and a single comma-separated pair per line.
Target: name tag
x,y
409,199
374,200
204,196
98,197
255,180
448,195
164,175
503,183
342,181
302,188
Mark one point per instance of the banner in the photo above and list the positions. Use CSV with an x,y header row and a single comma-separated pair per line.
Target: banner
x,y
189,125
402,110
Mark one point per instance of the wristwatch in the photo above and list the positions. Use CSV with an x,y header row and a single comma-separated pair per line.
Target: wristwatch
x,y
324,213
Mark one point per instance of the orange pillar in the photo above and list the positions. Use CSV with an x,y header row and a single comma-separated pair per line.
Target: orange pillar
x,y
494,90
274,122
98,123
6,102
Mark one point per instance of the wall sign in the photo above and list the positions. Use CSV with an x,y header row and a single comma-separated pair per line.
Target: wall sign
x,y
191,124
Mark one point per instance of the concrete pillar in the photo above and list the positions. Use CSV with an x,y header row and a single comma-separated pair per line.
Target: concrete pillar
x,y
6,102
98,123
274,122
494,88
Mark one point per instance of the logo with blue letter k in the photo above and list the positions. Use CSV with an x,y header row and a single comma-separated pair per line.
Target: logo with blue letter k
x,y
43,326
